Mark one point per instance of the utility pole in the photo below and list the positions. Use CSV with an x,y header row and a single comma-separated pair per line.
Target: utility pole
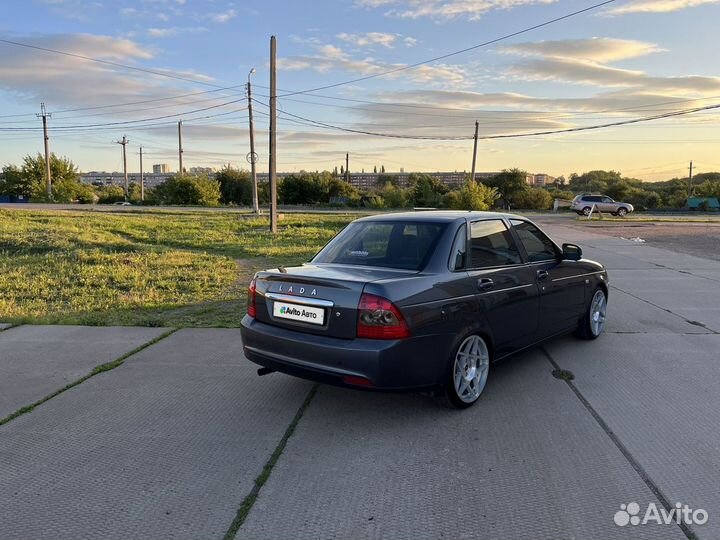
x,y
252,156
142,178
48,178
472,174
347,167
180,148
273,133
124,143
690,185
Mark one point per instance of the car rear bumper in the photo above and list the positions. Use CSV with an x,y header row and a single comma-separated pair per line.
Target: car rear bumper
x,y
414,363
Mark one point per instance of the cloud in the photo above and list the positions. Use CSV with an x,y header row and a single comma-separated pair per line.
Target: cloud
x,y
581,62
223,17
68,81
656,6
331,58
369,38
445,9
128,11
410,41
175,30
594,50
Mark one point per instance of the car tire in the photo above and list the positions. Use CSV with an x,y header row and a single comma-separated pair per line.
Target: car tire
x,y
593,321
622,212
586,211
467,374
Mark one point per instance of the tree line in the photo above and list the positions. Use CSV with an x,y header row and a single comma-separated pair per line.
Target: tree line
x,y
507,189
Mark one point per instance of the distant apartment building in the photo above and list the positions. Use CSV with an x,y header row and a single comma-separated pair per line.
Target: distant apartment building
x,y
98,178
539,180
454,180
209,171
161,168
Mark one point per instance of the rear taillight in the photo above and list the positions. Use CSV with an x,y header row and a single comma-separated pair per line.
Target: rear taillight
x,y
378,318
251,306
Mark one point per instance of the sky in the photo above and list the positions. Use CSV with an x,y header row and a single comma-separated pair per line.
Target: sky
x,y
623,61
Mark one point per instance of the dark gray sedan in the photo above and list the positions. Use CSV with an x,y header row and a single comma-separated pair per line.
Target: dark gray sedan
x,y
422,301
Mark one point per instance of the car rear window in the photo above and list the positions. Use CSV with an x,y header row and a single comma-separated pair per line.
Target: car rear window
x,y
392,244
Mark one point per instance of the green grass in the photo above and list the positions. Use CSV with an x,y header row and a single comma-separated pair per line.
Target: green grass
x,y
149,269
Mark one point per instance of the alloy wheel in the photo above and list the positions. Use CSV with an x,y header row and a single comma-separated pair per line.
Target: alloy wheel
x,y
470,370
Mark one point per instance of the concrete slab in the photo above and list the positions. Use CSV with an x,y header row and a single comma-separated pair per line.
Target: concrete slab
x,y
527,462
658,394
38,360
626,314
165,446
709,316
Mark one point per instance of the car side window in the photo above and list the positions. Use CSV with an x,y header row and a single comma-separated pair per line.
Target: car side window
x,y
458,250
537,245
492,244
607,200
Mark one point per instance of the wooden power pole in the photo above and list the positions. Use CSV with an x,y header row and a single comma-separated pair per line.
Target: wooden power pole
x,y
142,178
273,133
690,184
48,178
180,149
347,167
124,143
252,157
472,174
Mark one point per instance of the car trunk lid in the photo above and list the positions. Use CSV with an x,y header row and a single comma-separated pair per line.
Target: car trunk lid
x,y
316,298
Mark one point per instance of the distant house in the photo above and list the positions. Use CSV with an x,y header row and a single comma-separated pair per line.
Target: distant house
x,y
703,203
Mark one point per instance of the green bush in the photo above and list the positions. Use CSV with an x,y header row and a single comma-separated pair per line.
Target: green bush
x,y
534,198
472,196
188,190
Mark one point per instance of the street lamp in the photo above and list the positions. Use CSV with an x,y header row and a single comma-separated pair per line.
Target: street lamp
x,y
252,156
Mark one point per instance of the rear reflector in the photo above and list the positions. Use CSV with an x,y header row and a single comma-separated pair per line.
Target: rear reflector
x,y
251,305
357,381
378,318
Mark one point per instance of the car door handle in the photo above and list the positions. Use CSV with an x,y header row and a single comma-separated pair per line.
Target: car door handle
x,y
485,284
542,275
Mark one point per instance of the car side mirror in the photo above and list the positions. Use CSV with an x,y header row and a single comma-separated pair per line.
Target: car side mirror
x,y
571,252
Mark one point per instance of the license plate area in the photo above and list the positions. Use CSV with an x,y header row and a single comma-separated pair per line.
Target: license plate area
x,y
299,313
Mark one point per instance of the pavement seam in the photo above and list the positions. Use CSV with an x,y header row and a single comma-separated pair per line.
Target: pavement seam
x,y
11,325
688,321
250,498
95,371
644,476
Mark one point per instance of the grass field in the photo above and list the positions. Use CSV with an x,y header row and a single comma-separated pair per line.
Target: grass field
x,y
150,268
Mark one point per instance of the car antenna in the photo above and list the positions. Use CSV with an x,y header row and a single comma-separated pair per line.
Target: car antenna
x,y
282,269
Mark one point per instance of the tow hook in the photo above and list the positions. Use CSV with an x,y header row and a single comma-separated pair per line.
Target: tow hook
x,y
265,371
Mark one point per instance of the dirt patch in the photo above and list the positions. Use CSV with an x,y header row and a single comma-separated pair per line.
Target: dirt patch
x,y
698,239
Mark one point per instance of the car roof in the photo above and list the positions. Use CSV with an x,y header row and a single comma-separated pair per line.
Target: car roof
x,y
438,216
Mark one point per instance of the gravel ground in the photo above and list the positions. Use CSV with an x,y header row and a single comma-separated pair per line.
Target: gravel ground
x,y
699,239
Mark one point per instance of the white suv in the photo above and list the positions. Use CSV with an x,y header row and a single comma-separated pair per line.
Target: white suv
x,y
582,204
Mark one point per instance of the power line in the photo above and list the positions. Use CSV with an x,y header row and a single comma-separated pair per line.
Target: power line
x,y
671,114
454,53
110,63
126,122
132,102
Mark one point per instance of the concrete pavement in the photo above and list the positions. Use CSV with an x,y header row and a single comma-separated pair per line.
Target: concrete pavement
x,y
169,444
38,360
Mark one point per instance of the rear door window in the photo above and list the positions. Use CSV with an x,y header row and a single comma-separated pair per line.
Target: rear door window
x,y
491,244
537,245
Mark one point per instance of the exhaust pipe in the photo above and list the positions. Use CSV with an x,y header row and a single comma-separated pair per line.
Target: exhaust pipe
x,y
264,371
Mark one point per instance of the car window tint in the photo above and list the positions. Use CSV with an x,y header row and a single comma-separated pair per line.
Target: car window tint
x,y
392,244
537,245
491,244
457,252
